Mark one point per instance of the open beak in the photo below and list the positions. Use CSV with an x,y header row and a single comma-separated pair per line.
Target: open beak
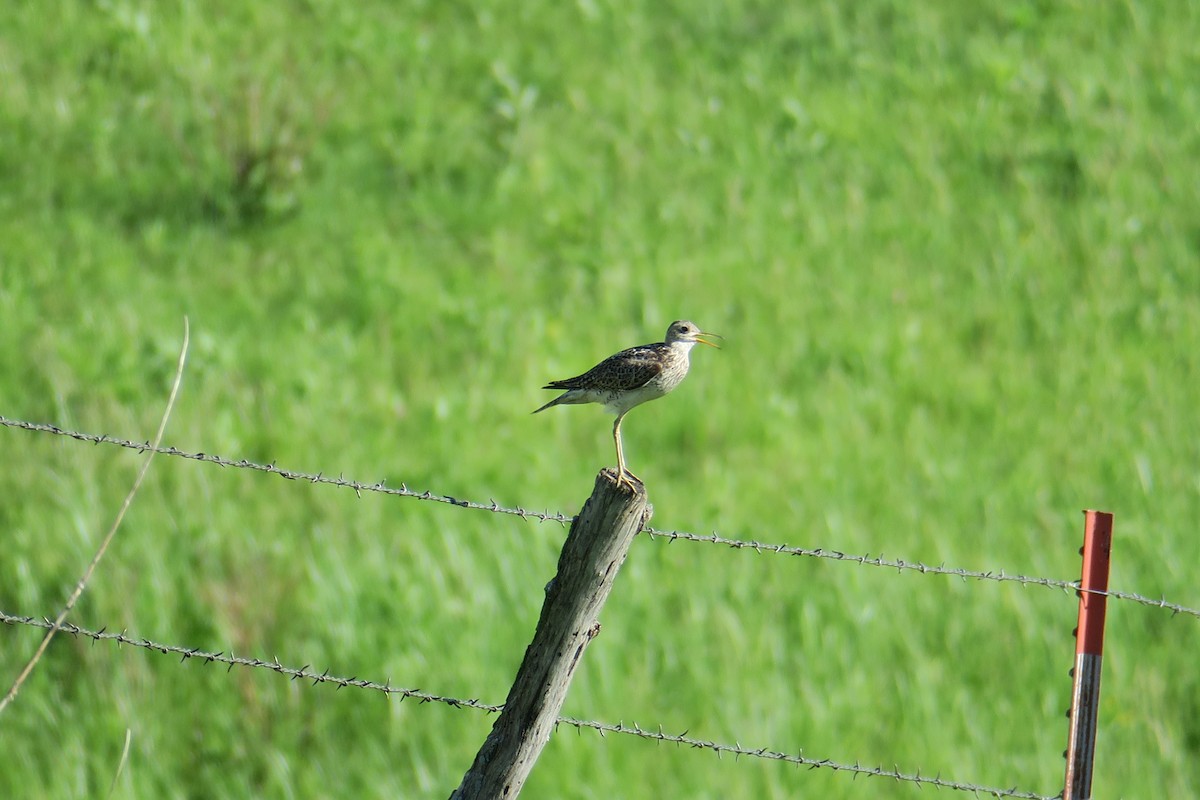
x,y
701,338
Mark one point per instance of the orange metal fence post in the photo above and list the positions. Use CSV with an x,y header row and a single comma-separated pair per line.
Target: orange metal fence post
x,y
1089,647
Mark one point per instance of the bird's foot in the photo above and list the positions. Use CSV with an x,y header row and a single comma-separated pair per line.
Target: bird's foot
x,y
626,477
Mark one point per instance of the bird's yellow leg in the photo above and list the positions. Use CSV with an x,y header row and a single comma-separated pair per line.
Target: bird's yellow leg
x,y
621,471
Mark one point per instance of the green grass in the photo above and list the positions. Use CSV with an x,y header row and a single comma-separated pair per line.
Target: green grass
x,y
955,254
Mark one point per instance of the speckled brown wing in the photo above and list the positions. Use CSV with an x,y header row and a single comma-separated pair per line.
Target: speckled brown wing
x,y
627,370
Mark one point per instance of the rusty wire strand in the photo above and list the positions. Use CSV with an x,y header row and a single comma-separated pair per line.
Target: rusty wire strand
x,y
655,734
547,516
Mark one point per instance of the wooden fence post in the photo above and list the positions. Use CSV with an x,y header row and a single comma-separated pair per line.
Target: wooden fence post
x,y
591,556
1089,647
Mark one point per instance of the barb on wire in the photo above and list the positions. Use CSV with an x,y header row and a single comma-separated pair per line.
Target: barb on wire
x,y
658,735
563,519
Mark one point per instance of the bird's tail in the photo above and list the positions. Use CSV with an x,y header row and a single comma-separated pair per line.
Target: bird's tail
x,y
568,397
553,402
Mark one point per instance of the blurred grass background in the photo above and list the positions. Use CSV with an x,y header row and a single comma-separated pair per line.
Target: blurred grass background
x,y
955,253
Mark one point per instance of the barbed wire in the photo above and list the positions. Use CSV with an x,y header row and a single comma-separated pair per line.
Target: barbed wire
x,y
232,660
357,487
900,565
658,735
548,516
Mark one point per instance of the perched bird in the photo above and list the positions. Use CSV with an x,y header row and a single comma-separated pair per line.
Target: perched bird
x,y
631,377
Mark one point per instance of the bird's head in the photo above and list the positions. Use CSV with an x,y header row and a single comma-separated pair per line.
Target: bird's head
x,y
683,331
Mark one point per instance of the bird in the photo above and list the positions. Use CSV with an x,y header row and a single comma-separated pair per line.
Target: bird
x,y
632,377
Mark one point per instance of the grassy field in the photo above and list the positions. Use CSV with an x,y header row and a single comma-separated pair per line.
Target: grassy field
x,y
955,253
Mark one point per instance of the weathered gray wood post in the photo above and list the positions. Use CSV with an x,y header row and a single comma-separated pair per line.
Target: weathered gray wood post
x,y
591,556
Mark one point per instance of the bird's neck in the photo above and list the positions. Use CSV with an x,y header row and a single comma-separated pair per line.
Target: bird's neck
x,y
683,348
